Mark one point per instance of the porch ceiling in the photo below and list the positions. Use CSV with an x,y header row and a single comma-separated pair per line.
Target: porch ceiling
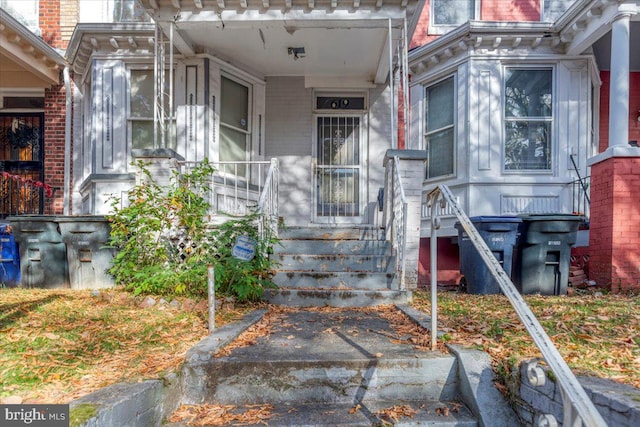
x,y
345,39
345,52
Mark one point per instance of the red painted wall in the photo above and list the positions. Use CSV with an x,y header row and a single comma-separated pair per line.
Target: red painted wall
x,y
510,10
490,10
448,262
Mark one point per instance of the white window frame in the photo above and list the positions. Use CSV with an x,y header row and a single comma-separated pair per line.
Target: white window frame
x,y
544,12
552,131
453,126
438,29
129,118
250,107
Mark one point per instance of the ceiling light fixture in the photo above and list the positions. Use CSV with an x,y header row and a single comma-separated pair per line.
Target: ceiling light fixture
x,y
297,52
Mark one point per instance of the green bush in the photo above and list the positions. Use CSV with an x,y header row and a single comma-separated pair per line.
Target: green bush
x,y
165,245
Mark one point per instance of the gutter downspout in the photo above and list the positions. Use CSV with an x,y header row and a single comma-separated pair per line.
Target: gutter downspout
x,y
66,204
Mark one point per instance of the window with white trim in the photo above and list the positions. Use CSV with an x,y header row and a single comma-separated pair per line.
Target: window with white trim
x,y
440,128
235,123
141,112
24,11
448,14
528,116
553,9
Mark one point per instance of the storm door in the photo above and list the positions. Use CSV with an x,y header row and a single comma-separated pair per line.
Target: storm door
x,y
338,171
21,164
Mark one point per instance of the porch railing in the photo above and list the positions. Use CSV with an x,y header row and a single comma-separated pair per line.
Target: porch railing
x,y
578,409
581,204
20,195
398,220
242,188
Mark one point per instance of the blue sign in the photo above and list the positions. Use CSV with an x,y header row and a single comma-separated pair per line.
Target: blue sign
x,y
244,248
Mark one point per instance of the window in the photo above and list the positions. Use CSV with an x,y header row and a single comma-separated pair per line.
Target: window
x,y
141,101
553,9
25,11
448,14
235,126
440,128
112,11
528,118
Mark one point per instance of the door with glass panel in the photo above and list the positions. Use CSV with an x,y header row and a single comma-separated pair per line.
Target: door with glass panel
x,y
338,172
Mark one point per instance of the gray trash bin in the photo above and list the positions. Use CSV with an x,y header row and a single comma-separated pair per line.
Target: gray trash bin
x,y
43,255
544,253
87,255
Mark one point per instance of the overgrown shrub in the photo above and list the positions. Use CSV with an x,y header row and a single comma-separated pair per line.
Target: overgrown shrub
x,y
165,245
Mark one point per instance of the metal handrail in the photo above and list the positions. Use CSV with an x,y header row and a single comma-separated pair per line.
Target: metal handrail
x,y
399,206
578,409
268,201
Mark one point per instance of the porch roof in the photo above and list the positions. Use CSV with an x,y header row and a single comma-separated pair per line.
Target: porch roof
x,y
345,41
26,61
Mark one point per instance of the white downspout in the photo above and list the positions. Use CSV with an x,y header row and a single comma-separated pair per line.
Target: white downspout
x,y
66,203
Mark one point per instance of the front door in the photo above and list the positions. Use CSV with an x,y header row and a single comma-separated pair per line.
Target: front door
x,y
338,172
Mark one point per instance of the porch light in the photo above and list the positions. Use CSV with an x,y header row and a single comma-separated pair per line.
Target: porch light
x,y
297,52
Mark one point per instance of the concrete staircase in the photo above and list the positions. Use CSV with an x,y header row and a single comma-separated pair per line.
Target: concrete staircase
x,y
341,368
338,267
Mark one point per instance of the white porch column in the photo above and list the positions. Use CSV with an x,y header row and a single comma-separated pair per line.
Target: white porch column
x,y
619,84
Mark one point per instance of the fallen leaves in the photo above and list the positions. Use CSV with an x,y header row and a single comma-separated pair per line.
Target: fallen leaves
x,y
394,413
58,345
222,415
598,336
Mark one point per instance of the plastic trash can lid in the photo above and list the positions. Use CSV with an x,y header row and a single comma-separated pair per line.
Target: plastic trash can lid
x,y
495,219
551,217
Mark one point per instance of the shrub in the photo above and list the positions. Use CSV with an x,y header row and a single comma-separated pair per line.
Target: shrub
x,y
165,245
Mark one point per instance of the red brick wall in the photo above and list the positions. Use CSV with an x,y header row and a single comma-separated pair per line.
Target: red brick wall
x,y
50,22
634,108
615,229
54,136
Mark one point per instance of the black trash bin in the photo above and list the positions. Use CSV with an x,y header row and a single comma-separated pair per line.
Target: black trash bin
x,y
43,255
500,233
9,257
544,253
88,256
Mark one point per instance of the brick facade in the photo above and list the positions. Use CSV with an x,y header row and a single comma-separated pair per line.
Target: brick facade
x,y
54,135
54,110
615,229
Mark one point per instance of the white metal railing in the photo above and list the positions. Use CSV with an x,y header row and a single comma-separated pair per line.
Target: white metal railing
x,y
398,221
237,188
578,409
268,201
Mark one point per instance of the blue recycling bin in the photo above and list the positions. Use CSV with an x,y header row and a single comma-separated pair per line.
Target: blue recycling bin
x,y
500,233
9,257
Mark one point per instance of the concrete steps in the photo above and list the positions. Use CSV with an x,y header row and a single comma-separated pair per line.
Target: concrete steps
x,y
335,368
338,266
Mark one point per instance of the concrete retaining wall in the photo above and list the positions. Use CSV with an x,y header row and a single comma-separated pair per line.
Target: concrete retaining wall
x,y
618,403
